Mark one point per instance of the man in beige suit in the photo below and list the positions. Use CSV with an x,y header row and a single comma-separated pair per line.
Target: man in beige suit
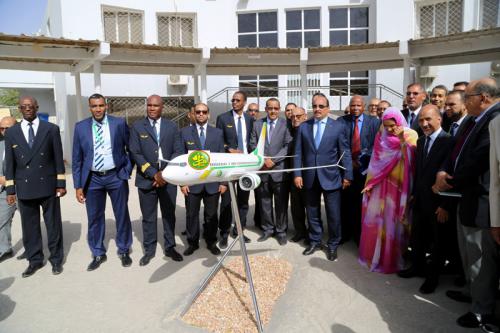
x,y
494,129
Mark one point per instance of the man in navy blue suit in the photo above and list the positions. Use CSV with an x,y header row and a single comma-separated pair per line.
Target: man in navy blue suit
x,y
202,136
101,166
151,140
361,129
236,127
321,141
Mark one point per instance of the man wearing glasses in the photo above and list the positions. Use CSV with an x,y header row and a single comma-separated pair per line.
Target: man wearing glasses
x,y
322,141
34,172
236,127
201,136
253,110
415,97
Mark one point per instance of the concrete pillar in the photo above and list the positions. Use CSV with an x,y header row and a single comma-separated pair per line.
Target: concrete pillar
x,y
304,56
97,77
196,89
203,77
78,94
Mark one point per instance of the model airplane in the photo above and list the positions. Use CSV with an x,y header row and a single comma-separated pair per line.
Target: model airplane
x,y
200,167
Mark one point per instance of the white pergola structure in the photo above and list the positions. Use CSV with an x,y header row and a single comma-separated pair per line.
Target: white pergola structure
x,y
85,56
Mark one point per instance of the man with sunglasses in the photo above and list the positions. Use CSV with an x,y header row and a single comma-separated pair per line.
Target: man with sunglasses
x,y
322,141
415,98
152,140
236,127
201,136
35,174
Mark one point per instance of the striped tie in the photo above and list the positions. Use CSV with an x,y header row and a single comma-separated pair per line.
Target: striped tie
x,y
98,145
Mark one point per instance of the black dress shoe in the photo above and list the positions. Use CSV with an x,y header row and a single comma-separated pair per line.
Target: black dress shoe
x,y
458,296
331,255
32,268
190,250
57,269
172,253
429,285
21,256
125,259
297,238
223,242
145,259
311,249
473,320
264,237
234,232
410,272
96,262
213,249
6,255
246,239
281,240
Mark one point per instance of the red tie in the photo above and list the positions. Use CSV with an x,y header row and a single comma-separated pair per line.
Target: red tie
x,y
356,140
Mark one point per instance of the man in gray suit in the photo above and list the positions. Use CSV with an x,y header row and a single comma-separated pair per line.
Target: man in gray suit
x,y
6,211
273,185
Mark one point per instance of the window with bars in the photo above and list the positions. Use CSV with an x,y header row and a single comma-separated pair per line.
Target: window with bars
x,y
349,83
123,25
489,14
303,28
439,18
259,85
349,26
176,30
258,29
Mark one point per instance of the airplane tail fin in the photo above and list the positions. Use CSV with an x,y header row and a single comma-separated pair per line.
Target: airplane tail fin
x,y
259,151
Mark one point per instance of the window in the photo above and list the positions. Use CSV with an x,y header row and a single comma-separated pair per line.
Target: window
x,y
259,85
176,30
303,28
258,29
349,83
123,25
349,26
489,17
441,18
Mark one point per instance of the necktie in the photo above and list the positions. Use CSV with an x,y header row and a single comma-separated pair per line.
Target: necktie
x,y
157,133
271,128
319,134
31,135
412,118
426,146
356,140
457,150
453,129
240,135
98,145
202,137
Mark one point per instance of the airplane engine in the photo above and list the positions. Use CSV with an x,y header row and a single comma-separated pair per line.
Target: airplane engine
x,y
249,181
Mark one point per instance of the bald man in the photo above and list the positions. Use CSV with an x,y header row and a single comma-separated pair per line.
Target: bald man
x,y
373,106
6,211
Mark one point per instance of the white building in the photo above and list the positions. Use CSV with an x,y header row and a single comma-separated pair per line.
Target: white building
x,y
250,23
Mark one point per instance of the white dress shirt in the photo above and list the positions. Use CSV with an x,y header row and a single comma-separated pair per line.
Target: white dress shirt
x,y
243,129
25,127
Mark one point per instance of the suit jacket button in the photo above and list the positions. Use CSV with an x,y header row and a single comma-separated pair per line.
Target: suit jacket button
x,y
27,167
41,154
25,180
41,178
156,151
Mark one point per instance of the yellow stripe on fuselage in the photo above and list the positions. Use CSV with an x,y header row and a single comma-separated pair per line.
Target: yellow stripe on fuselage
x,y
205,174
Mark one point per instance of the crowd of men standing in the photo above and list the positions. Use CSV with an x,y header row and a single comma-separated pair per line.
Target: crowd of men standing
x,y
452,156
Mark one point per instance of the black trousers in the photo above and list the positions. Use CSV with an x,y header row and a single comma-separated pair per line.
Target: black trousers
x,y
32,235
210,203
351,201
298,207
148,200
226,215
273,194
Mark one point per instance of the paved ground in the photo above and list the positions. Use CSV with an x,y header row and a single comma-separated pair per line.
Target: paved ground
x,y
321,296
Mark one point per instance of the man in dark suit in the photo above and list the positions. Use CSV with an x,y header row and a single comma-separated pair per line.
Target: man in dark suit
x,y
151,140
101,166
361,129
467,172
34,172
430,219
273,186
321,141
236,126
455,110
415,98
202,136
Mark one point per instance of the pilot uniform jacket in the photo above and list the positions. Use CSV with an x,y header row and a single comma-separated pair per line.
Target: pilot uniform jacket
x,y
280,140
189,139
144,149
33,173
225,122
83,150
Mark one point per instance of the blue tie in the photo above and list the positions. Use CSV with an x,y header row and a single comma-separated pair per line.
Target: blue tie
x,y
240,135
31,135
157,134
98,145
319,133
202,138
412,118
271,129
454,127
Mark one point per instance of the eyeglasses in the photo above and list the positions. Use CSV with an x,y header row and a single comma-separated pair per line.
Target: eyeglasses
x,y
201,111
320,106
414,93
235,100
27,106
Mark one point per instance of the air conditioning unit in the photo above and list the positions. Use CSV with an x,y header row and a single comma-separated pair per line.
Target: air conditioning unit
x,y
428,71
178,80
